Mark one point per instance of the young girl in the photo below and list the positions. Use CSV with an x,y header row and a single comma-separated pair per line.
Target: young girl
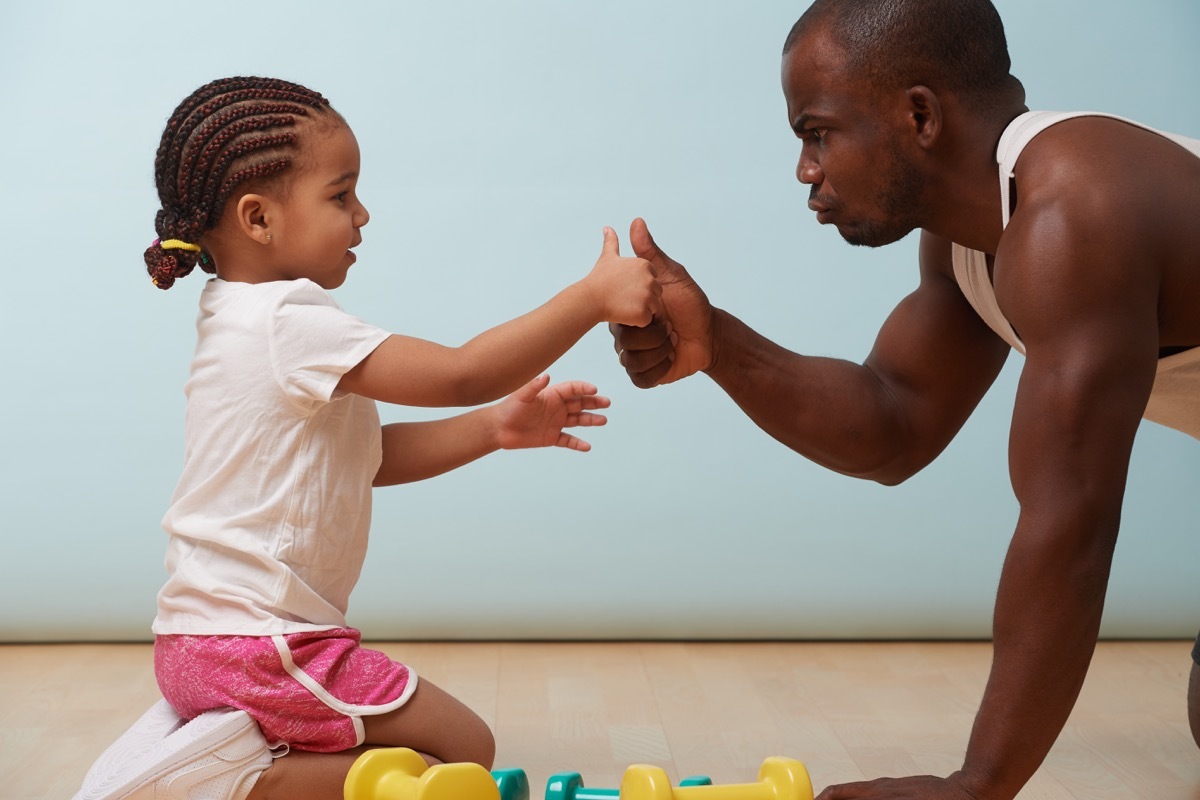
x,y
268,524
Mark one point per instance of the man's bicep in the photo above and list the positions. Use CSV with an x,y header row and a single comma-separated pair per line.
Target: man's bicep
x,y
1079,403
935,355
1075,418
1084,297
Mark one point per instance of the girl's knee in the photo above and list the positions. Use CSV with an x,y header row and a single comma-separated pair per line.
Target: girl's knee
x,y
435,724
482,746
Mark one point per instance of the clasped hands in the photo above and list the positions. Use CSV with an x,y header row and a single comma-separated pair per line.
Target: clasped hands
x,y
679,340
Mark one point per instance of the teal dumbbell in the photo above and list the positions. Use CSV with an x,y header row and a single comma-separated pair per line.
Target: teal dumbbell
x,y
569,786
512,783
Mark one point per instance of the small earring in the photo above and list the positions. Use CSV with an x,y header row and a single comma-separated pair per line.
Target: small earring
x,y
268,237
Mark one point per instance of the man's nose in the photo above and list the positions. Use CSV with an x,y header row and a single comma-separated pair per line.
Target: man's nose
x,y
808,171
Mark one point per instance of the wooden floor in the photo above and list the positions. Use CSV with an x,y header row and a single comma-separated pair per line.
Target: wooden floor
x,y
847,711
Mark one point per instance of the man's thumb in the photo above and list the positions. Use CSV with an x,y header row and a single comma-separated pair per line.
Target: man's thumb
x,y
643,243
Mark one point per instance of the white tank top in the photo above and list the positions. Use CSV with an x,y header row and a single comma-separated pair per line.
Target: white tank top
x,y
1175,398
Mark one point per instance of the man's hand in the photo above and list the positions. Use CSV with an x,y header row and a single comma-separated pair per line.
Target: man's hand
x,y
679,341
535,414
921,787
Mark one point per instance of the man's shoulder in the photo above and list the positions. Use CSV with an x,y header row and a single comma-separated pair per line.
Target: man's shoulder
x,y
1088,152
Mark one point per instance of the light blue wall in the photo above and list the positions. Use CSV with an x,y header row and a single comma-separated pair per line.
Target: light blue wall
x,y
497,139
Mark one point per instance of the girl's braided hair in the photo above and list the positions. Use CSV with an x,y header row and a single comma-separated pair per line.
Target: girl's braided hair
x,y
224,135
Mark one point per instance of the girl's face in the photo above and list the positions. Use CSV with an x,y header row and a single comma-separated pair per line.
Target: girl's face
x,y
319,217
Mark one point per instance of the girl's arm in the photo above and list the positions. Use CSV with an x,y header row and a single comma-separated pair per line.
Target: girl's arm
x,y
415,372
533,416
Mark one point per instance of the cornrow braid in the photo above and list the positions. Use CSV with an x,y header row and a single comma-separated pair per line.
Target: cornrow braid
x,y
226,134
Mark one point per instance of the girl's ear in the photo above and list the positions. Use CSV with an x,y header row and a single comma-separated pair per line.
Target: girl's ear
x,y
253,212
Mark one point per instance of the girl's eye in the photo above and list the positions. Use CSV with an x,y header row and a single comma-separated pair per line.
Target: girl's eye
x,y
341,196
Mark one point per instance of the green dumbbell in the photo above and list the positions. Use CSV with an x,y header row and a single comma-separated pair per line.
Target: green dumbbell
x,y
569,786
513,784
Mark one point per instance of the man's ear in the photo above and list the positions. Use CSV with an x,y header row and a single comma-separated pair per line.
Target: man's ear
x,y
925,115
253,213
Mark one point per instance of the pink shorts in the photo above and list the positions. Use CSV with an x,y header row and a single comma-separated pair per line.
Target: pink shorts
x,y
308,690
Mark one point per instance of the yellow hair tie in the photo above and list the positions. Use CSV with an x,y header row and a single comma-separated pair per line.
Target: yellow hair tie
x,y
179,244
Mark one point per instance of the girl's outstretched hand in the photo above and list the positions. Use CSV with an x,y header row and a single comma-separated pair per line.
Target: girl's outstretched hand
x,y
535,414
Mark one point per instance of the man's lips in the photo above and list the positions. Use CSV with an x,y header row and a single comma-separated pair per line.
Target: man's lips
x,y
822,208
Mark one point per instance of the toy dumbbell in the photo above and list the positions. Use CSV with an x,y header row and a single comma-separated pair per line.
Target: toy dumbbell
x,y
569,786
778,779
512,783
397,773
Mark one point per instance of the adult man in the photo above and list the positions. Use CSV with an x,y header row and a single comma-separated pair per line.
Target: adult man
x,y
1086,257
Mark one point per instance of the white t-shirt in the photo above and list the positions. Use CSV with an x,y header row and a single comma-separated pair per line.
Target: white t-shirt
x,y
268,524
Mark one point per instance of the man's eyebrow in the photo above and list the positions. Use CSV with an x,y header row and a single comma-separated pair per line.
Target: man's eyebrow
x,y
804,120
345,176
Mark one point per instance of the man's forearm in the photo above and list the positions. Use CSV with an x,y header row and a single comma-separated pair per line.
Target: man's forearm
x,y
834,412
1047,619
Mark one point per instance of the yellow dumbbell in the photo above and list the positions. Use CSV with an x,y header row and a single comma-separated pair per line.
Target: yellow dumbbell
x,y
778,779
397,773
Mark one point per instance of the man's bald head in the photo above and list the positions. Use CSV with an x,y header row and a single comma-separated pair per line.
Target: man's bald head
x,y
947,45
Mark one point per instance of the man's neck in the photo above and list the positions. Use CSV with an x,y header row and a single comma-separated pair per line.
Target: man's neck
x,y
966,200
